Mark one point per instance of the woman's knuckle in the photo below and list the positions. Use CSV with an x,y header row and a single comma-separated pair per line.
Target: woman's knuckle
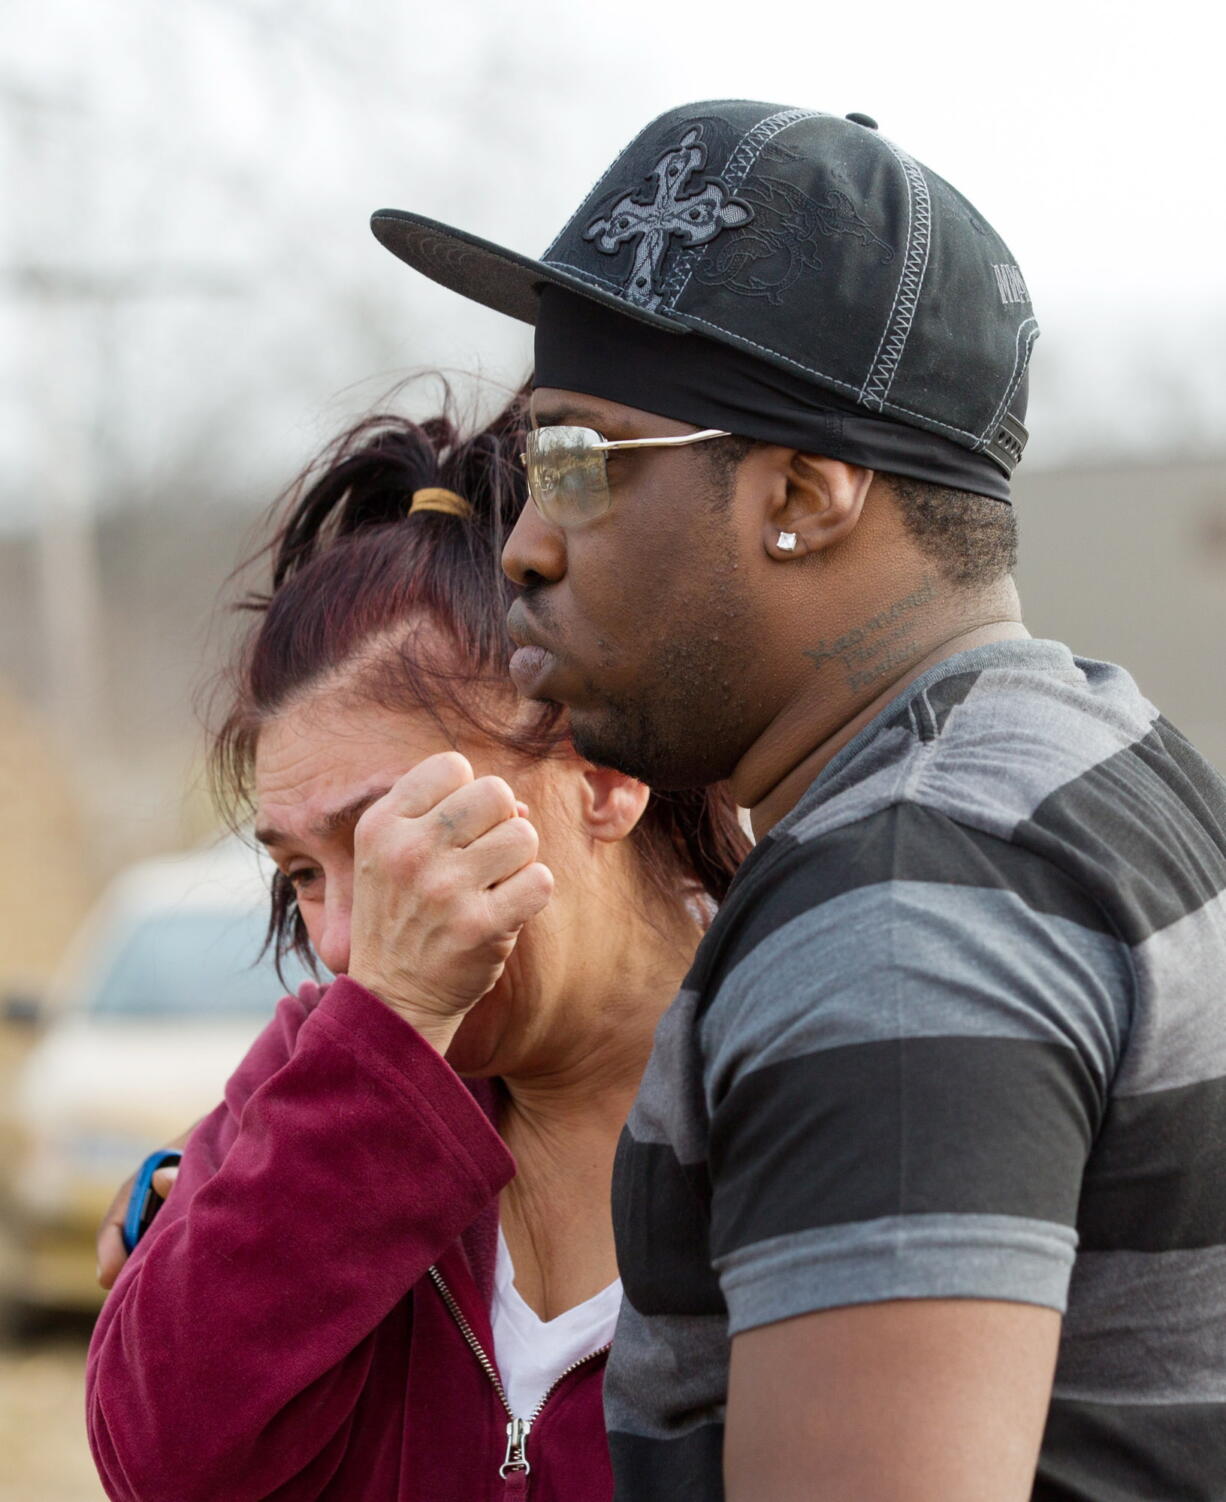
x,y
524,839
456,766
498,791
368,826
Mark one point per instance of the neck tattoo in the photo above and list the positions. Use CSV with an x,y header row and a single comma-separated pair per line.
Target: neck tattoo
x,y
871,650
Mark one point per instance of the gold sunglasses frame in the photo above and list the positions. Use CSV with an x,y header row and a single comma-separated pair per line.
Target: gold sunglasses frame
x,y
605,445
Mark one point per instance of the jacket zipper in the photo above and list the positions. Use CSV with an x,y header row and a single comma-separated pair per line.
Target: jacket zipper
x,y
515,1467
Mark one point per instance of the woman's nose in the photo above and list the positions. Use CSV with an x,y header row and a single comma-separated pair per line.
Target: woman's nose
x,y
535,552
332,946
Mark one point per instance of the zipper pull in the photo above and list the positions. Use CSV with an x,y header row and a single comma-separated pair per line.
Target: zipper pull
x,y
515,1468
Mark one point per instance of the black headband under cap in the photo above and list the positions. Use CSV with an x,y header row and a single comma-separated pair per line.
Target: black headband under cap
x,y
582,346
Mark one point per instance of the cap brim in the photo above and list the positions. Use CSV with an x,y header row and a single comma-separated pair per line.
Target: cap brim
x,y
490,274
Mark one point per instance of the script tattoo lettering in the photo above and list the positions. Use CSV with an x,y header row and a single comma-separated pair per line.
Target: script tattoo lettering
x,y
876,647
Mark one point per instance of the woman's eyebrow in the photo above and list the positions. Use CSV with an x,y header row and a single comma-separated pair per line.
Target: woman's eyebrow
x,y
332,823
348,815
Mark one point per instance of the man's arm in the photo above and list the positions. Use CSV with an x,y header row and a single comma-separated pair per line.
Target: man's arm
x,y
927,1400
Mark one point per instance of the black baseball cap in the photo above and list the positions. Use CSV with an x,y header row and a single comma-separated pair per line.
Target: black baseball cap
x,y
798,259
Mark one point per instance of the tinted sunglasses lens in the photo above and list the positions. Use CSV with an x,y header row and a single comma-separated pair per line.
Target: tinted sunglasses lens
x,y
566,475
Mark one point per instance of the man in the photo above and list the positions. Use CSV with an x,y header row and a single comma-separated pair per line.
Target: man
x,y
938,1119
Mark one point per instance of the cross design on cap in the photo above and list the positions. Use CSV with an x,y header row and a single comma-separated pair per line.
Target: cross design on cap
x,y
693,220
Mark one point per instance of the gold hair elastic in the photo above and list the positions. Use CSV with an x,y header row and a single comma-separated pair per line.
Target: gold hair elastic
x,y
434,498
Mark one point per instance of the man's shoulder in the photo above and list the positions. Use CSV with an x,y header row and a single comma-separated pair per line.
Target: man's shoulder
x,y
985,738
1057,757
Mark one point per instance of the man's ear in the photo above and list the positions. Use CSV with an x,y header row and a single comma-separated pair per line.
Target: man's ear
x,y
612,803
819,506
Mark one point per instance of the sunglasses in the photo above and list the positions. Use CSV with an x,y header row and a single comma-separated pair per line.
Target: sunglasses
x,y
568,476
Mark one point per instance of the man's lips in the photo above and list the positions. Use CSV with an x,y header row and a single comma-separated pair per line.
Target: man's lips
x,y
531,662
529,667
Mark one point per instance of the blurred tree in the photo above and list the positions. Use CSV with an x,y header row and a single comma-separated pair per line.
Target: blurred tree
x,y
45,876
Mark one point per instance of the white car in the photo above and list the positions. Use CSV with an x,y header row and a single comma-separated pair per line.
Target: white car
x,y
160,996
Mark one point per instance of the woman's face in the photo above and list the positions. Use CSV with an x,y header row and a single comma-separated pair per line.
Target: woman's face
x,y
322,762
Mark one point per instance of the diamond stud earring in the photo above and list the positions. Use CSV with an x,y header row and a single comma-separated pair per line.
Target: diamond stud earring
x,y
787,542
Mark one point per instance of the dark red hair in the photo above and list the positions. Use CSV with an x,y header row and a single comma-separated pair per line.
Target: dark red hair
x,y
351,568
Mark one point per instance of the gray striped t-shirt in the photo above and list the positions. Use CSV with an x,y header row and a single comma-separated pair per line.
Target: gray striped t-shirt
x,y
958,1031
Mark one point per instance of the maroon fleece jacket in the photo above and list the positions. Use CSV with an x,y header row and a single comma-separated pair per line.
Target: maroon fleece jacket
x,y
276,1336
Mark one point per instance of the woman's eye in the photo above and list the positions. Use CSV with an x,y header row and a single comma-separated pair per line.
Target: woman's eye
x,y
302,877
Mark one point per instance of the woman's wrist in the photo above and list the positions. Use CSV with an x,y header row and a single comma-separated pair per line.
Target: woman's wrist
x,y
436,1031
437,1028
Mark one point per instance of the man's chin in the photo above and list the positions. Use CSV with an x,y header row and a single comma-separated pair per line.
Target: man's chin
x,y
614,738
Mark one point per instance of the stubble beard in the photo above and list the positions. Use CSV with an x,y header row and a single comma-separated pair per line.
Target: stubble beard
x,y
690,721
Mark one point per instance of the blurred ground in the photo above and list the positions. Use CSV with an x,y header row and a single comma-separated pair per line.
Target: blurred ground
x,y
44,1456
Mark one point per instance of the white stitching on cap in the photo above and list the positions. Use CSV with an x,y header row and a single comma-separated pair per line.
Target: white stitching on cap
x,y
588,276
922,417
1029,327
751,144
748,149
766,350
885,328
902,316
923,420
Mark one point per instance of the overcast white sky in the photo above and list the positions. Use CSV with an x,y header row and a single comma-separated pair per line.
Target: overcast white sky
x,y
1091,133
217,160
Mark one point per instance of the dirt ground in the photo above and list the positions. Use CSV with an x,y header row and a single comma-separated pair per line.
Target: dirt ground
x,y
44,1456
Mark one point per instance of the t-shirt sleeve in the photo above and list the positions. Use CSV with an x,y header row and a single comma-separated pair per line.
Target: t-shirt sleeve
x,y
906,1062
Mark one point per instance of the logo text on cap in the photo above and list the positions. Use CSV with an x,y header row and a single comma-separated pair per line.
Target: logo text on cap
x,y
1010,285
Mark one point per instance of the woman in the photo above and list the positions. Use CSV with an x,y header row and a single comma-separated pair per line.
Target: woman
x,y
374,1280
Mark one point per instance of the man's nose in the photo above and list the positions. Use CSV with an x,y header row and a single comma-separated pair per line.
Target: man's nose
x,y
535,552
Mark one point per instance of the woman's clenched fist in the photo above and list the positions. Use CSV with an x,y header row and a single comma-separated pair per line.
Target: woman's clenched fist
x,y
445,875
